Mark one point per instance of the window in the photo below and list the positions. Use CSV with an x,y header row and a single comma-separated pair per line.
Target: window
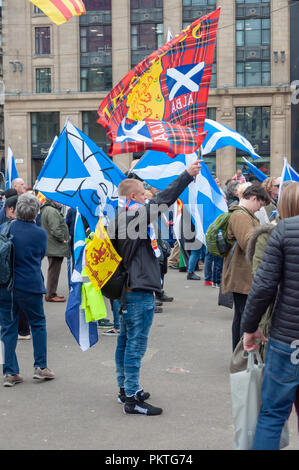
x,y
253,41
44,128
145,39
37,11
97,5
96,78
94,130
147,32
43,80
192,10
42,41
253,73
145,4
95,38
96,47
254,123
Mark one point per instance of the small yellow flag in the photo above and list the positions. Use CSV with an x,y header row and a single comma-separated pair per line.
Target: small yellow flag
x,y
101,259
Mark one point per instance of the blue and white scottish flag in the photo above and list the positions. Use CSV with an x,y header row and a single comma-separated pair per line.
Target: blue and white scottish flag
x,y
255,171
184,79
85,333
288,173
202,197
11,170
222,136
78,174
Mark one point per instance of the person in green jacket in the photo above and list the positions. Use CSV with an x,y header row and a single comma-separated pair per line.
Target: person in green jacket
x,y
58,246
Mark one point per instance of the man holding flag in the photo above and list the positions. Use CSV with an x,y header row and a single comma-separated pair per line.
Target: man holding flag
x,y
140,253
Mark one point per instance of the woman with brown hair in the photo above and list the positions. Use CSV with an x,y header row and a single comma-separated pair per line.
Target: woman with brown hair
x,y
277,280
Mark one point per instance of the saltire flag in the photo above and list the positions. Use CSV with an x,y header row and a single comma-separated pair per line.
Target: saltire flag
x,y
78,174
169,35
85,333
101,259
79,237
219,136
288,173
202,197
60,11
161,103
11,170
255,171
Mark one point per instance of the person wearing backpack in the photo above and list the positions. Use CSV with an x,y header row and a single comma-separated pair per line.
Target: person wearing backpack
x,y
237,273
134,239
24,290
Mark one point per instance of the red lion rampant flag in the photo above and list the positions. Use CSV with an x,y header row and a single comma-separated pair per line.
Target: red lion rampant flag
x,y
161,103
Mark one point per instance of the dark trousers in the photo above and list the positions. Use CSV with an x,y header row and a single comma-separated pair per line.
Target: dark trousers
x,y
23,329
54,269
239,304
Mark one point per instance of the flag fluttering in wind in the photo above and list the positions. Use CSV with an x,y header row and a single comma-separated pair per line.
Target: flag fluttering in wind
x,y
255,171
80,175
161,103
60,11
202,197
220,136
85,333
288,173
101,259
11,170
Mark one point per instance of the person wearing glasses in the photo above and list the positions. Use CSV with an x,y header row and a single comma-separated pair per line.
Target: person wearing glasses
x,y
271,185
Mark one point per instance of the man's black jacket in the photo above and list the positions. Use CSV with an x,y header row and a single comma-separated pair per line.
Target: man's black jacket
x,y
137,253
277,275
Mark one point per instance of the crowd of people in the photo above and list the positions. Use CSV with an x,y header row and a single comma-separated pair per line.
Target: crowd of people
x,y
260,272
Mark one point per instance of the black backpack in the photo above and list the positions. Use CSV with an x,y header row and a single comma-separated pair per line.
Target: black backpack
x,y
6,257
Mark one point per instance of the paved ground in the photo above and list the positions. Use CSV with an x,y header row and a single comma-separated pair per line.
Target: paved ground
x,y
185,369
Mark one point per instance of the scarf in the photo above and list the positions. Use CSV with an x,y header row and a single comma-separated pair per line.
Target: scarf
x,y
133,205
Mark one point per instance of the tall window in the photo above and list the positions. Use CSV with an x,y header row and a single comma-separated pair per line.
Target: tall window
x,y
96,46
254,123
253,40
147,33
192,11
43,80
44,128
42,40
94,130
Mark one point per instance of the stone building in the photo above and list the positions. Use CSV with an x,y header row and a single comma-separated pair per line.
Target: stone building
x,y
52,73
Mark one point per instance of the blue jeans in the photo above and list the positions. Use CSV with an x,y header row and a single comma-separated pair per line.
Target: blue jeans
x,y
280,383
213,268
115,310
195,256
135,324
32,306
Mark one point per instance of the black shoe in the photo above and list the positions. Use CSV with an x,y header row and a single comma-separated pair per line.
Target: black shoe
x,y
158,310
164,298
142,396
133,406
158,303
193,277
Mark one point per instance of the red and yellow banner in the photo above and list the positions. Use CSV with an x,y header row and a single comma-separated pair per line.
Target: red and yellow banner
x,y
60,11
101,259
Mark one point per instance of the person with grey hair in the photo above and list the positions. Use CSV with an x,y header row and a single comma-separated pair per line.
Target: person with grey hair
x,y
30,246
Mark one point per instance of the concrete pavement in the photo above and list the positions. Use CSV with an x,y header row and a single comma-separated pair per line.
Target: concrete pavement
x,y
185,369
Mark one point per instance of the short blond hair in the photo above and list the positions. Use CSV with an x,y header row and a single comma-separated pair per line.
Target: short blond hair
x,y
241,188
128,186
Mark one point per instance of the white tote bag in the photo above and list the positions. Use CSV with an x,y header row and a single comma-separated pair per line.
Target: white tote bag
x,y
246,401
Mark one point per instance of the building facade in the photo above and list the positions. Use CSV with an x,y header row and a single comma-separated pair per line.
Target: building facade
x,y
52,73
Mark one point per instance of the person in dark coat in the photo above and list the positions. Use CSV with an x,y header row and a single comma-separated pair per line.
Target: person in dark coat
x,y
30,245
277,279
